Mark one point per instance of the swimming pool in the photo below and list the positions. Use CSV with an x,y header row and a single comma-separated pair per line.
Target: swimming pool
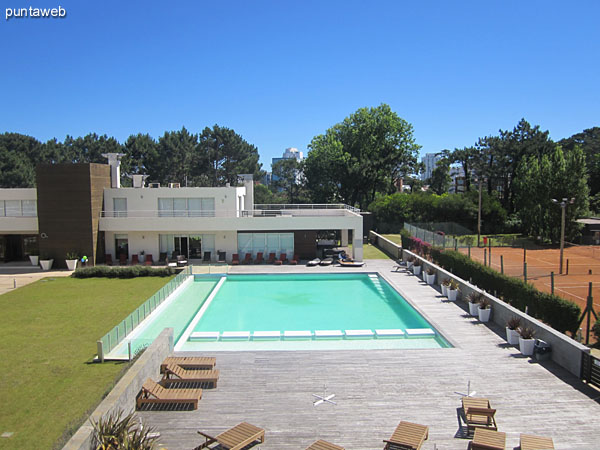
x,y
290,312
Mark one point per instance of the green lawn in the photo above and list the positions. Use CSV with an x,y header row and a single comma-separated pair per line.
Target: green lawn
x,y
48,334
372,252
395,238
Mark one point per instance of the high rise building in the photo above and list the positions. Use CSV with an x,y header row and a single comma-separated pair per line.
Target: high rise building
x,y
289,153
430,161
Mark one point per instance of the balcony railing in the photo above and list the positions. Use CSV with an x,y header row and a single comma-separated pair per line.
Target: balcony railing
x,y
303,210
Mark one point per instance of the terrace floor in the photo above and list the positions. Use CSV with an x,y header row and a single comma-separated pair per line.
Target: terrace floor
x,y
376,389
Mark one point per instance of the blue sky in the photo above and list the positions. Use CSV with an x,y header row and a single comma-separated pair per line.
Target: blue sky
x,y
281,72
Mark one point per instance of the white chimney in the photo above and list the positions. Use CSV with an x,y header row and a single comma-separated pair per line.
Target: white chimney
x,y
139,181
248,181
114,161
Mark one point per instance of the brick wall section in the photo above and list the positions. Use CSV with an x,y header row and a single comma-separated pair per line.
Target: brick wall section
x,y
69,199
124,394
566,352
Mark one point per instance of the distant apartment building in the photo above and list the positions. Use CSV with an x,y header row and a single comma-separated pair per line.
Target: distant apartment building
x,y
457,184
430,161
289,153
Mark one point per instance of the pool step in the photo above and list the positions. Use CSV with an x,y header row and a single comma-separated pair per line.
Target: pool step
x,y
318,334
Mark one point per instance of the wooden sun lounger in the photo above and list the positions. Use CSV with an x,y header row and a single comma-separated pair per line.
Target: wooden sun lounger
x,y
190,362
529,442
154,393
324,445
407,436
488,440
177,374
478,414
235,438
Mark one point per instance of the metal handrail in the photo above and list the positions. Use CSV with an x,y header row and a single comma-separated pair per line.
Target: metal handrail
x,y
261,211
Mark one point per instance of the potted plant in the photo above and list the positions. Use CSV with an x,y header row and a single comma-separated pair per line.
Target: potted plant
x,y
512,330
452,290
485,309
444,285
46,262
410,261
526,340
430,275
417,267
474,298
34,258
71,260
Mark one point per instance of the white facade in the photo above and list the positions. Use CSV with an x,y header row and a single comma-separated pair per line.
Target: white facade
x,y
430,161
18,211
457,185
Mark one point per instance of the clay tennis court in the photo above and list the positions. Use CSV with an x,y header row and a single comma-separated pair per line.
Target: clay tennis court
x,y
541,262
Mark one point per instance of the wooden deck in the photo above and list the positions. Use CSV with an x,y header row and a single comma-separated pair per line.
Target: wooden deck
x,y
376,389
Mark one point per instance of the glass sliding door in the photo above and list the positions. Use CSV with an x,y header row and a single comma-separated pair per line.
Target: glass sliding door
x,y
195,244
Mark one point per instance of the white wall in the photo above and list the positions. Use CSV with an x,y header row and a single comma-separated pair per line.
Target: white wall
x,y
18,194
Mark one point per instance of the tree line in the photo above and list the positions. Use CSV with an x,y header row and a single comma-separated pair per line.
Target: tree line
x,y
213,157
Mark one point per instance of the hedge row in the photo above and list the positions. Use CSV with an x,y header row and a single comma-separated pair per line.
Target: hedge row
x,y
122,272
560,314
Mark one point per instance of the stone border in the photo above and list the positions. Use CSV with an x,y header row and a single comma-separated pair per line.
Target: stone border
x,y
123,395
566,352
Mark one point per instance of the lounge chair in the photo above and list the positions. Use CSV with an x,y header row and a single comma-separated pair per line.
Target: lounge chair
x,y
351,263
314,262
294,260
407,436
177,374
221,257
108,259
259,258
190,362
154,393
123,259
282,259
181,261
134,259
488,440
324,445
529,442
247,259
163,259
235,438
272,258
326,262
206,257
478,414
149,261
235,259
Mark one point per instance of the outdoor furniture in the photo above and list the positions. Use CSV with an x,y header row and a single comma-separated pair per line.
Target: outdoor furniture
x,y
272,258
294,260
163,258
488,440
153,393
108,259
235,438
529,442
149,261
221,257
324,445
181,261
326,262
351,263
407,436
235,259
282,259
259,258
314,262
123,259
190,362
247,259
478,413
206,257
134,259
177,374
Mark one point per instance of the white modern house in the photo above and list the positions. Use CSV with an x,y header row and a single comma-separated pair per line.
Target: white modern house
x,y
98,217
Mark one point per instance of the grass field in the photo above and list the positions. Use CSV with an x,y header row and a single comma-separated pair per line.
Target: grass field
x,y
372,252
48,334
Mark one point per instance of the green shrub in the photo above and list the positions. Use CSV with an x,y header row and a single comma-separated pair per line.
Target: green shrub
x,y
122,272
596,331
560,314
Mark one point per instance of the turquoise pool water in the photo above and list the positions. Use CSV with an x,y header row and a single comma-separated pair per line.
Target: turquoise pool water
x,y
209,308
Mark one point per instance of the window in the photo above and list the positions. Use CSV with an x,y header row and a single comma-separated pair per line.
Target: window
x,y
2,214
12,208
120,207
266,243
29,208
186,207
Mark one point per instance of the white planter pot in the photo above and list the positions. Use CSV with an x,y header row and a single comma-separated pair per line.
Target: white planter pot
x,y
71,264
474,309
452,294
35,259
46,264
417,270
484,314
444,290
512,336
430,279
526,346
409,264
